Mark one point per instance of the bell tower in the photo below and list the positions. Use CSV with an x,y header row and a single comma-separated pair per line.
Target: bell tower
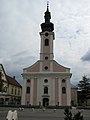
x,y
47,37
48,81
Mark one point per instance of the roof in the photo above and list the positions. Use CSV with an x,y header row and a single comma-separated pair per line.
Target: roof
x,y
12,81
56,67
3,68
73,86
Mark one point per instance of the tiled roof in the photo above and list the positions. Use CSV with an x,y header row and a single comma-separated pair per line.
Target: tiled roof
x,y
12,81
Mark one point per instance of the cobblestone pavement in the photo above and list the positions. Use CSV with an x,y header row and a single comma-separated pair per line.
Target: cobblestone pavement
x,y
38,114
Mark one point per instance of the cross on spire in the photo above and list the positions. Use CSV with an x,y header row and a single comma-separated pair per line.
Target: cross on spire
x,y
47,6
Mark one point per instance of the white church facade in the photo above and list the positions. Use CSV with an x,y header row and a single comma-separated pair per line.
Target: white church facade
x,y
46,83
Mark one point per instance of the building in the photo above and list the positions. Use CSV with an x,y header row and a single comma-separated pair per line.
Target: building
x,y
74,101
46,83
10,89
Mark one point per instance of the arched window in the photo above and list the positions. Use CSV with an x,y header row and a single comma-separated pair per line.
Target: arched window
x,y
28,80
46,58
18,91
63,81
46,42
45,90
63,90
12,91
15,91
28,90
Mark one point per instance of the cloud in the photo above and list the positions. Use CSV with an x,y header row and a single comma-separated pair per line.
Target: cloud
x,y
86,57
15,63
21,53
20,42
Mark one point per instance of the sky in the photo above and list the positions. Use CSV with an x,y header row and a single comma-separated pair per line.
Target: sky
x,y
20,40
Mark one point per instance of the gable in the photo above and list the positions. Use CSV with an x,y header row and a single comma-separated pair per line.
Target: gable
x,y
13,81
59,68
2,72
34,68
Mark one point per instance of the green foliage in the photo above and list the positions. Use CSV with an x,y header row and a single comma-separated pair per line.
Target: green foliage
x,y
84,87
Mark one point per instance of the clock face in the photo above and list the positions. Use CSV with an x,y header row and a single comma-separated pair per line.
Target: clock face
x,y
46,34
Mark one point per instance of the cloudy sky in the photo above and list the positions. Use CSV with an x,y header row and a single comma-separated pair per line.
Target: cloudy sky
x,y
20,40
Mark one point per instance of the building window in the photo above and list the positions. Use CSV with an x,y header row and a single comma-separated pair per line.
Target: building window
x,y
28,90
18,91
46,42
5,89
46,58
12,91
63,81
46,34
63,90
45,90
46,81
46,67
15,91
28,80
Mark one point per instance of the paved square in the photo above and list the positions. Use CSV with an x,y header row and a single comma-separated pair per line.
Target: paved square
x,y
38,114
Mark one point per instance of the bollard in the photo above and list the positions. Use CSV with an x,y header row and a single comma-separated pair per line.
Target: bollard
x,y
54,110
74,108
33,109
44,109
9,115
15,116
21,109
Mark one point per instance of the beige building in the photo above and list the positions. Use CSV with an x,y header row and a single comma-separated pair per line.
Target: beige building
x,y
74,100
46,83
10,89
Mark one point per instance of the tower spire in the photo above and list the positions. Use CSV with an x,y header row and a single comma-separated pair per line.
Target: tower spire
x,y
47,25
47,6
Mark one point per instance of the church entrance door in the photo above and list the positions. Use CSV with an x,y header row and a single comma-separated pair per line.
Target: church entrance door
x,y
45,102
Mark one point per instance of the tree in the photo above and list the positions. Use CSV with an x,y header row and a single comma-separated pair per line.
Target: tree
x,y
84,87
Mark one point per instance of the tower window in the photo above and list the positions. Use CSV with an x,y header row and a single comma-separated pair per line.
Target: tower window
x,y
28,90
46,81
63,81
46,67
28,80
63,90
46,42
45,90
46,34
46,58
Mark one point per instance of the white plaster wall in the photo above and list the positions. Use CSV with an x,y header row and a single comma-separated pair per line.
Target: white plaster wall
x,y
68,92
23,92
60,92
40,90
52,91
31,91
51,66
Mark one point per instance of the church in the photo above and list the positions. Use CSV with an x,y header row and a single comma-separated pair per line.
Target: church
x,y
46,82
